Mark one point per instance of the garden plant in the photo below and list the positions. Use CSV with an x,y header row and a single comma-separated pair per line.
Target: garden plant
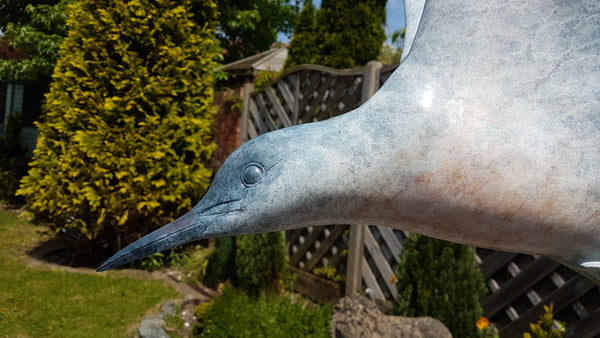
x,y
126,130
442,280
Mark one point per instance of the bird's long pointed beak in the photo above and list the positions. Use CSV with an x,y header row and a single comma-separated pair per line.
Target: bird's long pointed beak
x,y
180,231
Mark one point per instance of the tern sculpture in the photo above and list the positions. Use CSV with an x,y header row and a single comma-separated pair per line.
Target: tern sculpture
x,y
488,134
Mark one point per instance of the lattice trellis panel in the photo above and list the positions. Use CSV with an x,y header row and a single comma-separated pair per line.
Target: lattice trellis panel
x,y
380,259
323,95
314,247
520,285
303,94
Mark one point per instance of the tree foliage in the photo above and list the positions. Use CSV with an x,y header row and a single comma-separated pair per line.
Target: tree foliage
x,y
391,53
349,33
38,36
249,27
126,129
303,46
442,280
14,11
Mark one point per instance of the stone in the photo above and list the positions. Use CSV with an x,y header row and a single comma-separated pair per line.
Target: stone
x,y
153,327
357,316
168,308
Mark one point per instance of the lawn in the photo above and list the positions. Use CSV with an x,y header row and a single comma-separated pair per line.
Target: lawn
x,y
36,301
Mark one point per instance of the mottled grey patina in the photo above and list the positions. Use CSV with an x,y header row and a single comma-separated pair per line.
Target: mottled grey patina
x,y
488,134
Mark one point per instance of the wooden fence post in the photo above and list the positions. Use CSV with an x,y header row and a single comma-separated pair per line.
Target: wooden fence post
x,y
248,89
370,80
357,232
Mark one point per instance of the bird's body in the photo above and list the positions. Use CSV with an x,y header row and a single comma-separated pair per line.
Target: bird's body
x,y
488,134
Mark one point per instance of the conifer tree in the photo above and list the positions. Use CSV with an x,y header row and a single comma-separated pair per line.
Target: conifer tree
x,y
303,46
349,33
126,129
442,280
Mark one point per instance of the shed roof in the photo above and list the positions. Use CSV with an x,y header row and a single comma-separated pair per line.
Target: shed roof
x,y
273,59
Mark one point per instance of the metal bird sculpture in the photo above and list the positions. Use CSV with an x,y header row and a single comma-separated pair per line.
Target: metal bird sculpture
x,y
488,134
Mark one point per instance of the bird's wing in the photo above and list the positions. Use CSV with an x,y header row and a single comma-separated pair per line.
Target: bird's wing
x,y
414,11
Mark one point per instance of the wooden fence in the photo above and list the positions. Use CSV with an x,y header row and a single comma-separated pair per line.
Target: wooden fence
x,y
367,256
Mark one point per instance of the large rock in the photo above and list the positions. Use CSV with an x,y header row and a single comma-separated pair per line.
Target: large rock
x,y
357,316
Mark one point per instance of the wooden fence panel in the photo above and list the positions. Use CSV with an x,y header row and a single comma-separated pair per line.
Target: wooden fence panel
x,y
314,247
520,285
379,267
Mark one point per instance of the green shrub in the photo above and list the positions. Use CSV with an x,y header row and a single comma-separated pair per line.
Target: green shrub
x,y
126,130
442,280
544,328
200,313
221,264
261,262
234,314
175,258
195,263
13,164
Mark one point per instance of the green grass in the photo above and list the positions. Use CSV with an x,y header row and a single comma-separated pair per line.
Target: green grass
x,y
40,302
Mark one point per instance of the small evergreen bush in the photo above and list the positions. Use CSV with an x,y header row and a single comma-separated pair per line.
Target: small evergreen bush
x,y
442,280
261,262
13,164
126,129
221,264
234,314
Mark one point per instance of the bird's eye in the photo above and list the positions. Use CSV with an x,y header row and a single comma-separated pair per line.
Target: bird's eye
x,y
252,174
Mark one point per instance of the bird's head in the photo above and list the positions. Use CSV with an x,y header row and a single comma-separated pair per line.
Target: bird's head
x,y
256,190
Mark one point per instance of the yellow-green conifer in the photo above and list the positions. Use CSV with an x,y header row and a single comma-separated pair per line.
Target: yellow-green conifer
x,y
126,129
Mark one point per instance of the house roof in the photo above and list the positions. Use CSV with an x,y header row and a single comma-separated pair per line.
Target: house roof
x,y
273,59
